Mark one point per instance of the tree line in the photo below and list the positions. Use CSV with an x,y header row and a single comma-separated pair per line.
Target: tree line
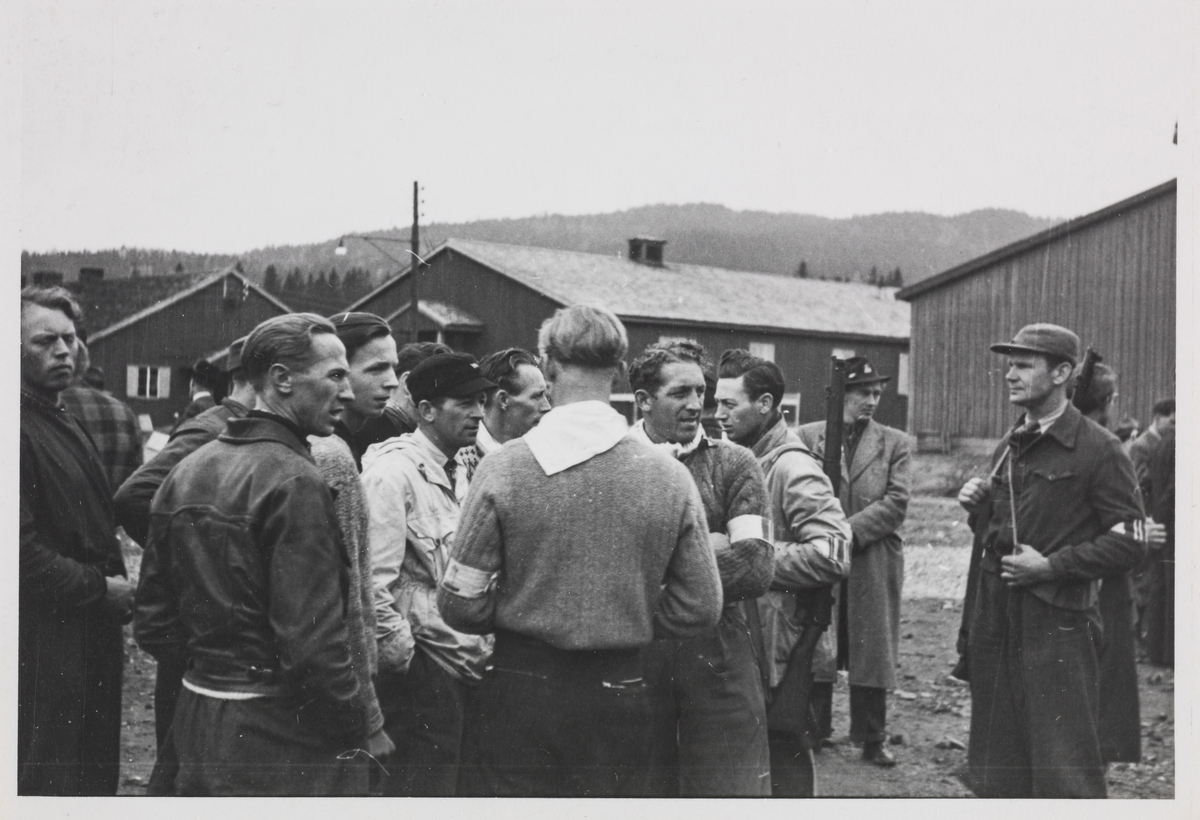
x,y
324,292
890,279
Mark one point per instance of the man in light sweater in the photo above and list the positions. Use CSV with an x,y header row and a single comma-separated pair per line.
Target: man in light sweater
x,y
709,714
577,547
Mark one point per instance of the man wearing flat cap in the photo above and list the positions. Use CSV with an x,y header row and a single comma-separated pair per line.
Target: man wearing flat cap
x,y
865,634
425,666
1059,511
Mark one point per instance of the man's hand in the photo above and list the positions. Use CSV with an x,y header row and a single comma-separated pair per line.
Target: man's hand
x,y
1156,534
118,599
379,745
973,494
1025,567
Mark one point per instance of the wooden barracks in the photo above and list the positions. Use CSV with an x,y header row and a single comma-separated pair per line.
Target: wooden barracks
x,y
479,297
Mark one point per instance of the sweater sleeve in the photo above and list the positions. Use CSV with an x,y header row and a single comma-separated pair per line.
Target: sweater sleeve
x,y
813,548
467,592
883,517
691,600
748,563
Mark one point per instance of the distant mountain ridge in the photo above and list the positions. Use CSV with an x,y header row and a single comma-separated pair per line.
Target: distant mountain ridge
x,y
919,244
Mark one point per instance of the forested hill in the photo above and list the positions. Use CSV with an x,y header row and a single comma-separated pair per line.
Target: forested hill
x,y
919,244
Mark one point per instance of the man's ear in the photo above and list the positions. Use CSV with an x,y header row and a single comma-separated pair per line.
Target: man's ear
x,y
642,399
427,410
279,377
765,403
1062,373
500,399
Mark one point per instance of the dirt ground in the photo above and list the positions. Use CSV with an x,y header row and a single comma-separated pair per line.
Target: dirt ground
x,y
928,715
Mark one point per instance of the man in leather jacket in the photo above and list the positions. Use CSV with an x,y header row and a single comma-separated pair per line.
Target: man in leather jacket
x,y
247,568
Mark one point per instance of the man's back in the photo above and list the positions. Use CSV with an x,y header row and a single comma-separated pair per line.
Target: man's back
x,y
249,570
593,552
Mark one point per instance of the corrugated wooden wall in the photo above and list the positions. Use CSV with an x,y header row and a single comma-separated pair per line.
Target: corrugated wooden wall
x,y
1112,282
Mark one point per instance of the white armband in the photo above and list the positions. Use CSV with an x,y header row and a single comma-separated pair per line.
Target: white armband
x,y
831,547
467,582
746,526
1135,528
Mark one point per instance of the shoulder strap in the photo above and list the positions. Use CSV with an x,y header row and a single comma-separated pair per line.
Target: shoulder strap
x,y
770,458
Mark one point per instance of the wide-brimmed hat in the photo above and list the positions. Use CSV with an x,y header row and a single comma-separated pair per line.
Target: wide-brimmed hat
x,y
859,371
1045,339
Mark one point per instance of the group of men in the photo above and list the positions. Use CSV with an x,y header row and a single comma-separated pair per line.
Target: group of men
x,y
405,572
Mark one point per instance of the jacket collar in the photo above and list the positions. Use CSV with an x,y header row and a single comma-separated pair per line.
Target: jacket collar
x,y
774,436
240,410
417,448
1065,428
38,400
260,426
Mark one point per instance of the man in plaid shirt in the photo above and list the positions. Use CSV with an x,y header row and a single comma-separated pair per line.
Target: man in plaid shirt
x,y
110,423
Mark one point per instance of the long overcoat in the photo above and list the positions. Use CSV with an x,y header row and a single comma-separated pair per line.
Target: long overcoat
x,y
874,496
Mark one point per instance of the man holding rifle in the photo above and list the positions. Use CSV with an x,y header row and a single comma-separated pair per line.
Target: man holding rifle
x,y
1060,510
811,540
873,472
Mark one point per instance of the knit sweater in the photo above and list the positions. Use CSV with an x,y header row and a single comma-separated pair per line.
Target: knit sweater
x,y
336,462
607,554
731,485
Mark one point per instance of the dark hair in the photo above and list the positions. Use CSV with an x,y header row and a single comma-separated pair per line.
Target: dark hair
x,y
583,336
286,340
1164,407
758,375
646,371
413,353
357,329
54,298
1100,391
501,367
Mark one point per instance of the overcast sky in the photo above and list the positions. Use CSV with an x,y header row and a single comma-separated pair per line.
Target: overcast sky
x,y
214,126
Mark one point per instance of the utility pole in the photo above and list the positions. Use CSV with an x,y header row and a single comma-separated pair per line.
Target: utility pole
x,y
416,262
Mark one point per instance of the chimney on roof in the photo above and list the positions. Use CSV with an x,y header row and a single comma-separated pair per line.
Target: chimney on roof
x,y
646,250
90,276
47,278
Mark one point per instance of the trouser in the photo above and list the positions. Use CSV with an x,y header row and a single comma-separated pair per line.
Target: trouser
x,y
68,702
168,682
710,736
868,712
550,722
1034,697
255,747
423,713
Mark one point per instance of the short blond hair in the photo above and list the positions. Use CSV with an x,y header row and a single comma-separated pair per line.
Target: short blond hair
x,y
583,336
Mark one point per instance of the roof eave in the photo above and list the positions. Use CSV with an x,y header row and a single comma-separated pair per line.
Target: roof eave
x,y
1030,243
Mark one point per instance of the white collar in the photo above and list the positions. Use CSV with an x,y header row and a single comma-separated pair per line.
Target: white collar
x,y
671,448
485,441
573,433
